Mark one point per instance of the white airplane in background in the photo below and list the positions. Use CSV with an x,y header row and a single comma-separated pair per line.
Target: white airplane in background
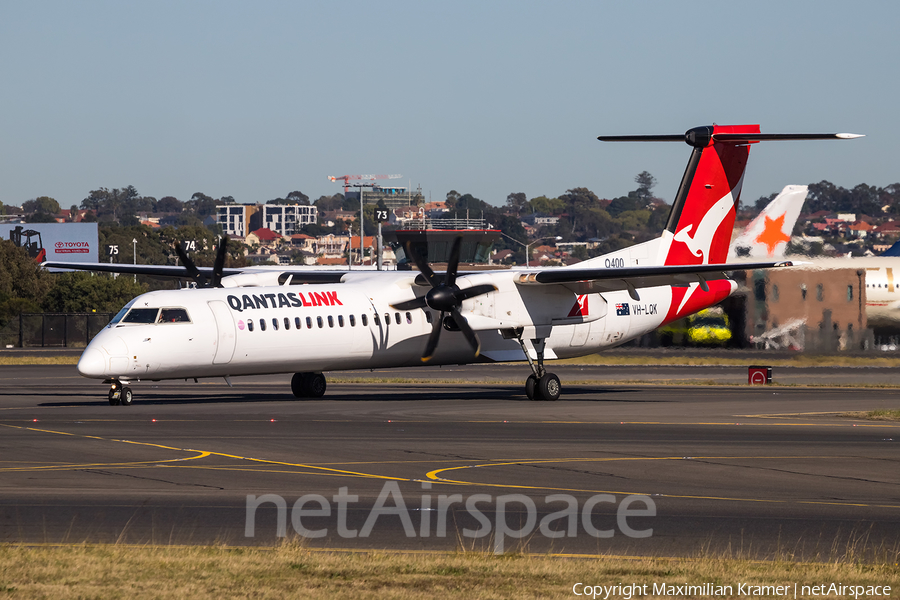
x,y
768,235
882,299
253,321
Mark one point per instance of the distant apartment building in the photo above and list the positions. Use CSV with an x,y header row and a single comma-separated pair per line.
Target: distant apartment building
x,y
235,218
284,219
288,219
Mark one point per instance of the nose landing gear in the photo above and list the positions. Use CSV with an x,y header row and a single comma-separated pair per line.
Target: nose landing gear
x,y
119,393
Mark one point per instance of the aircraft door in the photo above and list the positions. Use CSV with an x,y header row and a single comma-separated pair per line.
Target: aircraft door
x,y
579,334
226,332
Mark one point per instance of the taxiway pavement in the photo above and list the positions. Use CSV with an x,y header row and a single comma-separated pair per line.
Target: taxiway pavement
x,y
756,471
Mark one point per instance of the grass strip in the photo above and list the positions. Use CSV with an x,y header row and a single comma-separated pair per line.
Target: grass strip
x,y
613,359
39,360
211,572
336,377
675,359
874,415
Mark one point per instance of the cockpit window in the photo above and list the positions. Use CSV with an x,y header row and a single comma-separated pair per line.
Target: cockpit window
x,y
119,316
141,315
173,315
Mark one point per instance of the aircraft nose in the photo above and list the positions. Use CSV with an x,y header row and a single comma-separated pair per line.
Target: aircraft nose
x,y
92,363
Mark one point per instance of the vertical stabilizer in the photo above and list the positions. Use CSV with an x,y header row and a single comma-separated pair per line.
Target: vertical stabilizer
x,y
768,235
703,213
700,223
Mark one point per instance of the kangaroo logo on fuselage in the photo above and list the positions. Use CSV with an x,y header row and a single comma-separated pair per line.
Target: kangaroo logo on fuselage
x,y
700,242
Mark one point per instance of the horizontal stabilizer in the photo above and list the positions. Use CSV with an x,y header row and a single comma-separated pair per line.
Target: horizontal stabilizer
x,y
701,137
766,137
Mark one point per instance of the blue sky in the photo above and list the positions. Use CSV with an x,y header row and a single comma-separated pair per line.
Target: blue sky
x,y
255,100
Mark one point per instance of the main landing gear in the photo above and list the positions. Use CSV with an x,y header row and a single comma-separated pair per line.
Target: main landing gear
x,y
308,385
540,385
119,393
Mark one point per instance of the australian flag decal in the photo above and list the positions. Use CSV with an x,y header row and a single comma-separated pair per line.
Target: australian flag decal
x,y
623,310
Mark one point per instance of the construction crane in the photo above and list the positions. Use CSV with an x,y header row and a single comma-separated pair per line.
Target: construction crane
x,y
348,178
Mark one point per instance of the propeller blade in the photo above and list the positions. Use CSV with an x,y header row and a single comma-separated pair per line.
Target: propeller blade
x,y
219,265
423,266
189,265
453,262
467,331
410,304
475,290
433,338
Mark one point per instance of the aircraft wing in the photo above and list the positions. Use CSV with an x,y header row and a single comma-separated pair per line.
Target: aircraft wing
x,y
584,281
279,274
152,270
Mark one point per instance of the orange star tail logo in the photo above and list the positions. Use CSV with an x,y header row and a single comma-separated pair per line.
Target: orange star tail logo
x,y
772,234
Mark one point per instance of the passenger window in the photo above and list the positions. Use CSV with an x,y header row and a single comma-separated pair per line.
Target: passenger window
x,y
377,320
319,322
387,318
397,318
249,324
428,316
352,321
262,324
287,323
408,319
174,315
309,322
274,323
141,315
330,321
297,322
340,320
365,320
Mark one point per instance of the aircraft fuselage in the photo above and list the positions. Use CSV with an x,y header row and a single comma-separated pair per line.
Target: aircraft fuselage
x,y
331,327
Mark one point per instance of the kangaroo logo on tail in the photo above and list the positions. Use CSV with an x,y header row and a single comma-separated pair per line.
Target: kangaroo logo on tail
x,y
700,242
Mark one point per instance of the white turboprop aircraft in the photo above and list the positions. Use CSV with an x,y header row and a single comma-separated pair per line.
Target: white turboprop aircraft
x,y
253,321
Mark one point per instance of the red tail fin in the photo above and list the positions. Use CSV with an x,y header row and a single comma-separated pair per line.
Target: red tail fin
x,y
702,216
699,227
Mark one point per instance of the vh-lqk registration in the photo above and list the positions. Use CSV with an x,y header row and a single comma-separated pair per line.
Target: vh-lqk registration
x,y
258,321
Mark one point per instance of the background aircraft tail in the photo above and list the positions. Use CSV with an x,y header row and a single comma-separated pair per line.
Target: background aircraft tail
x,y
768,235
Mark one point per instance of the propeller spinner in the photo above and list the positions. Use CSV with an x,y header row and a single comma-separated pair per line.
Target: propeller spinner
x,y
445,297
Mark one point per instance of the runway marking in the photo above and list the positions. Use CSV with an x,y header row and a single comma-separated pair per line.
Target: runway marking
x,y
433,475
201,454
67,466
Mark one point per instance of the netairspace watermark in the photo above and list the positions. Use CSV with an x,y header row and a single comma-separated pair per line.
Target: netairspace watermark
x,y
628,591
433,511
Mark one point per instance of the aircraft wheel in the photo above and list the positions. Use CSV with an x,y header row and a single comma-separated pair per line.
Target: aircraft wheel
x,y
314,385
549,387
113,401
531,388
127,396
297,385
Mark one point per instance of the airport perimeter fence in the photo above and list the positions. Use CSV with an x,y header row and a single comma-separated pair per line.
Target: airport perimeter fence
x,y
53,330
